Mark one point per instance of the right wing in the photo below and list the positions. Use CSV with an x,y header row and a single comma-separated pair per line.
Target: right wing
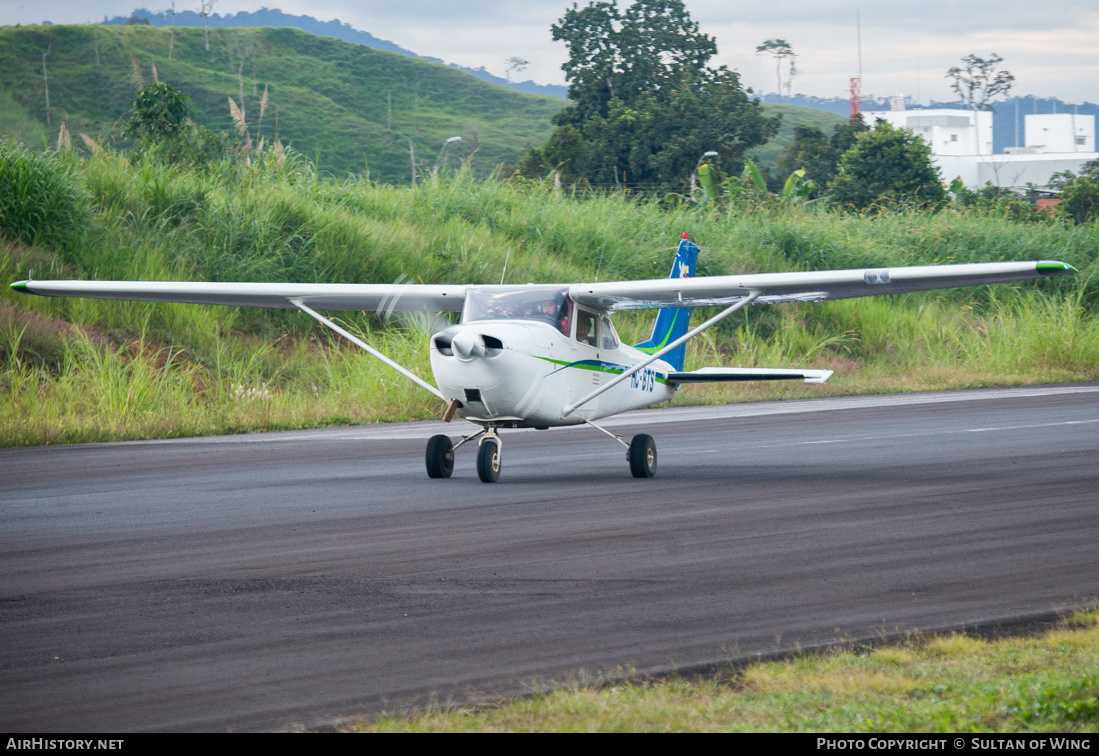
x,y
813,286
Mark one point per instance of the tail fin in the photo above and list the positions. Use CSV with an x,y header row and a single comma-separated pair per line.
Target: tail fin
x,y
673,323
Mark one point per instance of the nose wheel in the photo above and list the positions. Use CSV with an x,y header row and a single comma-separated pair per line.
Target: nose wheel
x,y
488,460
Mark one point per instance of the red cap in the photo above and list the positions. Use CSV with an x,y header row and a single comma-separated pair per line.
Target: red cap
x,y
685,235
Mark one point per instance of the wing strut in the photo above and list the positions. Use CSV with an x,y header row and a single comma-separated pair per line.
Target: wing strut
x,y
359,342
657,355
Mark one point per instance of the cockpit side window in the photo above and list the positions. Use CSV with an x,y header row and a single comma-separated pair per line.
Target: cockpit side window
x,y
607,337
564,317
587,327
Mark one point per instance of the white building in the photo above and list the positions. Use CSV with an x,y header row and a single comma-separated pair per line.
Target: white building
x,y
1058,133
961,144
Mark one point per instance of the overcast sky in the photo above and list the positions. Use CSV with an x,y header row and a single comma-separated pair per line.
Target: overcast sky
x,y
907,46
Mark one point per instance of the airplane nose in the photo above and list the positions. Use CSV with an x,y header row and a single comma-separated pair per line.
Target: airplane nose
x,y
467,345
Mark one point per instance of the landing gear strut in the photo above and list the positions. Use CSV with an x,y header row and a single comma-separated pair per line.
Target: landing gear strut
x,y
640,453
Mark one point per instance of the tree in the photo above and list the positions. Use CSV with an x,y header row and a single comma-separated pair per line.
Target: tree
x,y
652,46
46,80
172,38
515,64
241,47
811,152
643,102
565,152
780,50
887,166
1090,169
817,154
1080,200
160,124
157,114
204,8
978,81
845,134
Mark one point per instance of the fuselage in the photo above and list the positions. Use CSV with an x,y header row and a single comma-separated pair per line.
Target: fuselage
x,y
519,363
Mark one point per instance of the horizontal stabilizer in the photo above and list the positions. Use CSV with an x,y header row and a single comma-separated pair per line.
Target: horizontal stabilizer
x,y
718,375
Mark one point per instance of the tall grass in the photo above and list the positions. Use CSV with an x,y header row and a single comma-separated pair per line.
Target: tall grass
x,y
41,200
73,366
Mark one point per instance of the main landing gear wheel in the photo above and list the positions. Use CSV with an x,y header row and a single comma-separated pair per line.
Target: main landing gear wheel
x,y
488,460
439,457
642,456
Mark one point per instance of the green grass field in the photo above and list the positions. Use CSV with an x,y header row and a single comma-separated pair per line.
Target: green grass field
x,y
927,684
90,370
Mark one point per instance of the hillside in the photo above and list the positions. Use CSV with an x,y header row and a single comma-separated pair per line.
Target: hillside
x,y
353,108
768,155
276,18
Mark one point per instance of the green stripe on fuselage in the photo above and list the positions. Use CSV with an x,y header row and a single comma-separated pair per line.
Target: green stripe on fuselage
x,y
598,366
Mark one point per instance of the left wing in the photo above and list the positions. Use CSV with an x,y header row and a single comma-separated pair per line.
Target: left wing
x,y
815,286
383,298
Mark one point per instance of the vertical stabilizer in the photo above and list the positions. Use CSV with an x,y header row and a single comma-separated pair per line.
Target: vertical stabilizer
x,y
674,322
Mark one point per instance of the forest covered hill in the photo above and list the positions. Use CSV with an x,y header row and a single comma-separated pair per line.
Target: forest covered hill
x,y
274,17
353,109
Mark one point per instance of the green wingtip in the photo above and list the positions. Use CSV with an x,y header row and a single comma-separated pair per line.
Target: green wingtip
x,y
1054,268
20,286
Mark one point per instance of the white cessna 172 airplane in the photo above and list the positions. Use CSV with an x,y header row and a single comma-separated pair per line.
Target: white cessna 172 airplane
x,y
545,355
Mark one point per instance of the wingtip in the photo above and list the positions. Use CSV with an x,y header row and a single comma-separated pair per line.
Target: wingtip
x,y
1054,268
20,286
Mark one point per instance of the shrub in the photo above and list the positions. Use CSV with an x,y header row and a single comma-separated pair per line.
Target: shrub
x,y
1080,200
887,166
41,200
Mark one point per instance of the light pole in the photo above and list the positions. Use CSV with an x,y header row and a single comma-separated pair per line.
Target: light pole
x,y
442,152
694,173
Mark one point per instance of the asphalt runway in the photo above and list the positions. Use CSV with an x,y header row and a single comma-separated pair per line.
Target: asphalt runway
x,y
293,580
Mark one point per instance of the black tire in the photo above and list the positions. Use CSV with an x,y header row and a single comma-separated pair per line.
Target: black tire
x,y
643,456
488,461
439,457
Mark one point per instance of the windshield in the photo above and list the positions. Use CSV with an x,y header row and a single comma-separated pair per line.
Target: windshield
x,y
549,305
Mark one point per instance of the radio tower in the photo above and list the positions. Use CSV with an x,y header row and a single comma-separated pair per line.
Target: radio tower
x,y
856,81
